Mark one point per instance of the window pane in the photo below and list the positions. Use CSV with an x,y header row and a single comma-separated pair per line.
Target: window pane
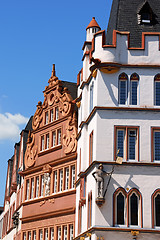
x,y
32,188
122,91
120,209
132,144
65,233
59,233
71,232
67,179
157,93
54,139
134,209
73,177
61,180
42,143
37,186
27,188
120,143
47,141
46,234
42,185
57,113
52,233
40,235
46,118
59,136
51,115
34,235
91,97
55,182
156,145
157,210
134,85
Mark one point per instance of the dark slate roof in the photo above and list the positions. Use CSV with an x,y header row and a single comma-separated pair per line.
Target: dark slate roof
x,y
123,17
72,88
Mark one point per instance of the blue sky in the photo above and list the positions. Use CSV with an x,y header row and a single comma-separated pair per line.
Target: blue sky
x,y
34,34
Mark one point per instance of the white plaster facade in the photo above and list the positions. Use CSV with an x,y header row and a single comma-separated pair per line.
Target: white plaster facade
x,y
105,115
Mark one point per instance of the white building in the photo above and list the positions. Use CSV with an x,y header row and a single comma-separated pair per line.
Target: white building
x,y
119,118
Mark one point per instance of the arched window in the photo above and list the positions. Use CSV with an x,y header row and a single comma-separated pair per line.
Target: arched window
x,y
134,88
157,90
120,207
135,206
123,88
134,209
127,208
156,208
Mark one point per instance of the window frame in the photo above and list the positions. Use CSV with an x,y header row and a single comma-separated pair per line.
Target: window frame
x,y
153,130
123,78
154,195
134,78
156,80
127,207
126,130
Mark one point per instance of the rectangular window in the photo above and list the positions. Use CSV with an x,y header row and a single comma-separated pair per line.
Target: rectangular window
x,y
51,115
65,232
32,188
120,142
41,234
91,96
34,235
46,118
89,209
37,186
59,136
24,236
27,189
42,185
47,141
29,235
134,87
91,148
57,113
132,136
59,233
55,182
46,234
42,143
60,180
52,234
66,178
122,91
53,139
155,144
157,92
127,143
73,177
70,232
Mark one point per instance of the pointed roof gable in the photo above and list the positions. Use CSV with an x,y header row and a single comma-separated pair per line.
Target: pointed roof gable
x,y
126,16
93,23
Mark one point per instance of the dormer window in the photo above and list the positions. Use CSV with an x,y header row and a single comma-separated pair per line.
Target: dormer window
x,y
146,15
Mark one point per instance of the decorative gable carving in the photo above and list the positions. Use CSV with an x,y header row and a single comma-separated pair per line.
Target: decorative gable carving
x,y
31,151
69,139
53,94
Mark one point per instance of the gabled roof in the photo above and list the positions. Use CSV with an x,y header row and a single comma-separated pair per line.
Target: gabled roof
x,y
124,17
